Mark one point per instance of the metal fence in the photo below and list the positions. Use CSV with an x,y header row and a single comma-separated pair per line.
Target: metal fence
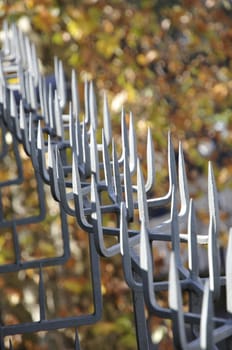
x,y
89,181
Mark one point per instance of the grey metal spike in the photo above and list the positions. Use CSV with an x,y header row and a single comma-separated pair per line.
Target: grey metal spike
x,y
193,262
142,199
50,107
126,251
213,249
132,145
229,274
171,162
150,162
32,93
10,345
6,44
128,191
86,103
58,117
42,302
124,135
145,252
71,125
33,97
2,75
61,85
183,185
106,120
22,48
24,128
116,175
56,70
15,41
213,259
77,342
85,152
43,99
213,199
107,168
78,196
50,153
206,325
175,237
40,139
34,65
22,84
146,265
75,94
11,42
22,118
176,305
92,106
94,162
28,54
14,115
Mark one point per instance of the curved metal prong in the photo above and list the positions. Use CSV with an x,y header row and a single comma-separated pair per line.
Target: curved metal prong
x,y
176,305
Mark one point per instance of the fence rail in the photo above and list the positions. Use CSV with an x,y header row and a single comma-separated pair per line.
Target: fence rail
x,y
89,180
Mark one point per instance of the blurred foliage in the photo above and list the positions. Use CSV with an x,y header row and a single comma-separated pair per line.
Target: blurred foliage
x,y
169,62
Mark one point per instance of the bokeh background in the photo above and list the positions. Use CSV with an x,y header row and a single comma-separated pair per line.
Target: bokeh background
x,y
169,62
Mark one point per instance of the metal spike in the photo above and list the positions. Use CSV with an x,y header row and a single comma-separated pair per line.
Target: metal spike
x,y
132,145
51,121
35,65
53,170
183,185
229,274
22,118
107,168
6,44
33,97
57,114
85,151
77,342
75,95
176,305
142,199
41,87
213,249
193,262
175,238
213,199
41,154
125,140
106,120
61,87
14,115
10,345
150,162
213,259
128,191
94,154
92,106
116,175
86,98
206,325
125,251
